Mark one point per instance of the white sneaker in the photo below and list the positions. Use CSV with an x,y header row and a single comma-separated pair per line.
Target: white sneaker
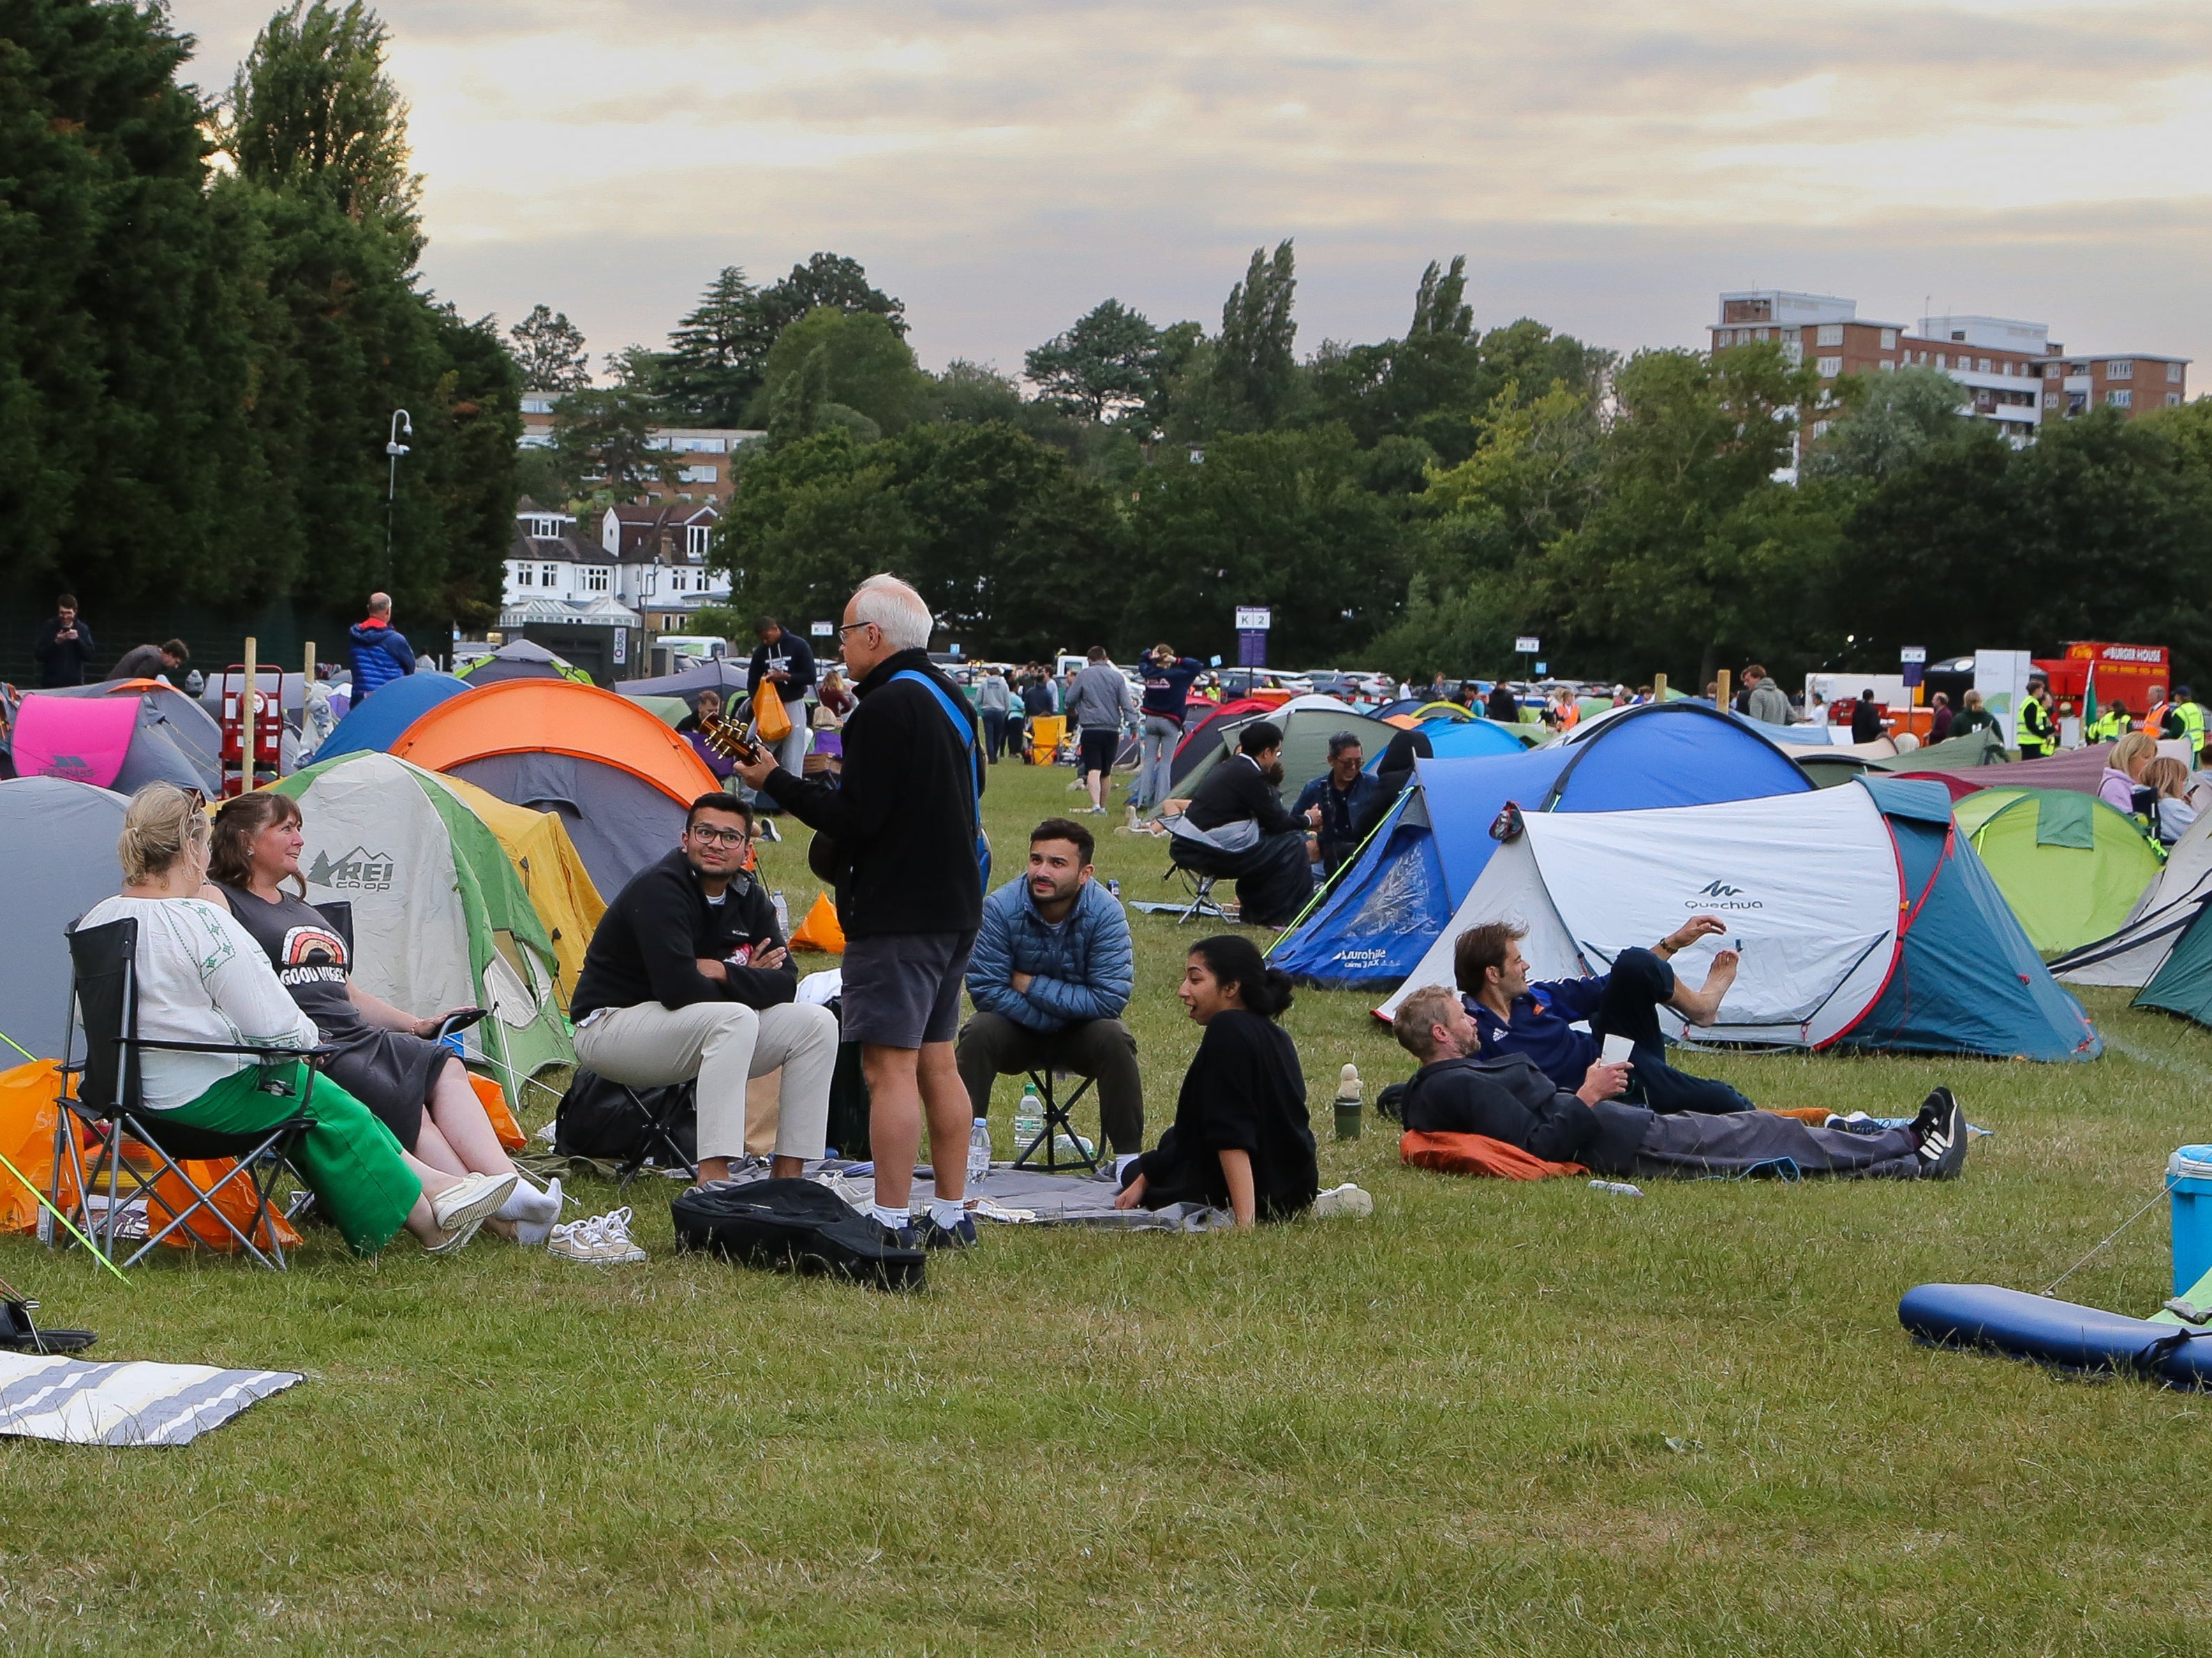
x,y
1343,1200
462,1208
602,1241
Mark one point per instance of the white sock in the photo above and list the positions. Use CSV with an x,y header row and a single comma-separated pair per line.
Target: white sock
x,y
1122,1164
946,1211
533,1231
527,1202
892,1218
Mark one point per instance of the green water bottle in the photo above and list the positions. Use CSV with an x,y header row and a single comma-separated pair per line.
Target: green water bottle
x,y
1347,1103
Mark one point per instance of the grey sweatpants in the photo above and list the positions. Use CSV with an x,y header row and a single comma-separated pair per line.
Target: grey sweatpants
x,y
721,1044
1691,1144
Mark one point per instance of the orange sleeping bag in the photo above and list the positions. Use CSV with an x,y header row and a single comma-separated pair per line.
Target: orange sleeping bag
x,y
1478,1154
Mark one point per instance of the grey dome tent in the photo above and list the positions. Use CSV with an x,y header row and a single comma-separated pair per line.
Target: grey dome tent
x,y
57,860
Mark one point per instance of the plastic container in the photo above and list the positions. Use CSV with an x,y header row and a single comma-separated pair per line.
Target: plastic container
x,y
2192,1217
978,1157
1028,1120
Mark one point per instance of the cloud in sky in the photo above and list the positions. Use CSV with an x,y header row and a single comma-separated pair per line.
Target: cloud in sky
x,y
1608,167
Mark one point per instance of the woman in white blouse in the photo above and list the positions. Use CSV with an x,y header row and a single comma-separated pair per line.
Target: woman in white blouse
x,y
202,979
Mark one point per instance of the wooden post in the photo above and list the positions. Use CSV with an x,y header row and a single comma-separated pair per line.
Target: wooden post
x,y
307,678
1720,688
246,720
1658,687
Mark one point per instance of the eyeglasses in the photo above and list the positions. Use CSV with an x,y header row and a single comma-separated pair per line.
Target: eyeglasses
x,y
720,837
847,627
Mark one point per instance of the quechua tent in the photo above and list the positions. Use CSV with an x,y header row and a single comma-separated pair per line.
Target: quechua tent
x,y
380,720
620,779
1389,903
1469,738
440,919
57,860
2072,868
1864,920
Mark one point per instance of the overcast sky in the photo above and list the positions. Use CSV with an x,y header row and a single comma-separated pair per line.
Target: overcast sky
x,y
1608,167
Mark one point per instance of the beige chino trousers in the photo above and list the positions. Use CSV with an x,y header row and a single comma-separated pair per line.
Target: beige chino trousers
x,y
723,1044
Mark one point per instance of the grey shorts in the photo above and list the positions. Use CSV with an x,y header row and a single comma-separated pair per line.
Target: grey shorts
x,y
902,989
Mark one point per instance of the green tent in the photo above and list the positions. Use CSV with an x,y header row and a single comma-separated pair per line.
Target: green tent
x,y
440,919
1981,748
2071,867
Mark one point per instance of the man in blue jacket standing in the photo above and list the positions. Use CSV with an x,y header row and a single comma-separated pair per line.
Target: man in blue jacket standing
x,y
1051,972
380,652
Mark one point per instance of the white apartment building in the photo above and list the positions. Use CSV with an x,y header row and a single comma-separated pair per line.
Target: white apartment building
x,y
648,562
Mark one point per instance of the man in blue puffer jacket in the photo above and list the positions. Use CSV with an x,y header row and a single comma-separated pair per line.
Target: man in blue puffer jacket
x,y
1050,973
380,652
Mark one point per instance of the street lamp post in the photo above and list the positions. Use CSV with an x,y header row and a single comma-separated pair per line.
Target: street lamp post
x,y
402,422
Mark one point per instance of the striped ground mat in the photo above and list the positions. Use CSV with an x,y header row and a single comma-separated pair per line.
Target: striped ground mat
x,y
123,1404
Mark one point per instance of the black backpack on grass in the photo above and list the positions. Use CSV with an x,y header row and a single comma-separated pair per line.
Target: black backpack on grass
x,y
793,1225
605,1120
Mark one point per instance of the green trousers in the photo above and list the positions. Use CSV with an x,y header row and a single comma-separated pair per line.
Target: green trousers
x,y
350,1161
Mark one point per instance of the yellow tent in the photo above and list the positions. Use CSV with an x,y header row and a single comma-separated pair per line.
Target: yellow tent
x,y
561,891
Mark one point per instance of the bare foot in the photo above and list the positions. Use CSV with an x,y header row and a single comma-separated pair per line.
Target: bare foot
x,y
1703,1006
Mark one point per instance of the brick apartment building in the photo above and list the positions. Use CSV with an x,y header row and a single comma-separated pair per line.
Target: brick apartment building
x,y
2012,372
707,473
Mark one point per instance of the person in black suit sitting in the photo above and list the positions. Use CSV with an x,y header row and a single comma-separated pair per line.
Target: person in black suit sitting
x,y
1235,824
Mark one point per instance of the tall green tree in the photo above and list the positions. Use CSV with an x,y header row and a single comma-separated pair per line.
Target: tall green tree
x,y
716,354
868,368
549,351
1885,423
1254,368
1103,364
603,444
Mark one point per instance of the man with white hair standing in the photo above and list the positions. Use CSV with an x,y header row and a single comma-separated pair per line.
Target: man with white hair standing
x,y
901,840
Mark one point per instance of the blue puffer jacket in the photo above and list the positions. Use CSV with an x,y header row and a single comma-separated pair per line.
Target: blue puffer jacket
x,y
1084,968
381,655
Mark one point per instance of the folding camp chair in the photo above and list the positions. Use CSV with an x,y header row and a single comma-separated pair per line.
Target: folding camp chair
x,y
109,1100
1202,900
1056,1123
658,1144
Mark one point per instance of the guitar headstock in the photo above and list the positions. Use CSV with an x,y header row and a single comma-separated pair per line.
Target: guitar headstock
x,y
728,739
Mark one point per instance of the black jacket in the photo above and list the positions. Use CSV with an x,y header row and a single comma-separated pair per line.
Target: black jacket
x,y
1233,791
650,941
61,661
796,658
903,813
1509,1099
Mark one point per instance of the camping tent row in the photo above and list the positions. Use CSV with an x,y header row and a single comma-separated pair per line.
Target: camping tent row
x,y
1390,902
2164,948
121,734
1864,921
458,900
1307,724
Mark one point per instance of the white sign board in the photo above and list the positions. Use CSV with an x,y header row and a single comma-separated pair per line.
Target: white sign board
x,y
1253,618
1528,645
2002,678
1913,653
822,629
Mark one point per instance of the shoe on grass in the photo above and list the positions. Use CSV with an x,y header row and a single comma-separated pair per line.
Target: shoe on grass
x,y
462,1208
1345,1200
961,1235
1939,1134
900,1237
601,1241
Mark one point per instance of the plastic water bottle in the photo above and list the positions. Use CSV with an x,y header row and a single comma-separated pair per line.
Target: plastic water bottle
x,y
1028,1118
1614,1188
782,914
978,1157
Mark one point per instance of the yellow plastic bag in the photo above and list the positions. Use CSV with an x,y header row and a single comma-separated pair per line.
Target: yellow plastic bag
x,y
770,718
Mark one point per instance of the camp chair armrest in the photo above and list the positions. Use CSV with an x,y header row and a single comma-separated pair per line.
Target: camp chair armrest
x,y
260,1051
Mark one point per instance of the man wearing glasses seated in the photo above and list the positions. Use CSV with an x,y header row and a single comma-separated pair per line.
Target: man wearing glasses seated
x,y
687,977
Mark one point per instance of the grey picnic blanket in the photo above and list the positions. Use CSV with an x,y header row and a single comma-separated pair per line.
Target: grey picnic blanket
x,y
1027,1196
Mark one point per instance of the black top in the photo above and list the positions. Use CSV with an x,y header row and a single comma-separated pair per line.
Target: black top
x,y
794,656
649,942
1036,699
1407,746
310,958
61,661
1244,1092
1505,705
903,811
1233,791
1866,722
1510,1099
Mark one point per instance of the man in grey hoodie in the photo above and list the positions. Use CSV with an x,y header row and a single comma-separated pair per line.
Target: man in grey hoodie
x,y
1100,706
1768,703
992,698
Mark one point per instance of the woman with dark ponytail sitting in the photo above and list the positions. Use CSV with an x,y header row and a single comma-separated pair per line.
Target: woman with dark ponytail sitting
x,y
1240,1140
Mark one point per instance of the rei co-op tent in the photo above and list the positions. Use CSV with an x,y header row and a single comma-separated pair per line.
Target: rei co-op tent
x,y
1307,723
440,917
375,723
1864,920
122,737
1391,902
2072,868
620,779
2131,955
551,871
57,860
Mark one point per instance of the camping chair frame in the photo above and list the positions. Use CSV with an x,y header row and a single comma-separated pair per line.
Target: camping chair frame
x,y
1057,1123
1202,900
106,1098
659,1144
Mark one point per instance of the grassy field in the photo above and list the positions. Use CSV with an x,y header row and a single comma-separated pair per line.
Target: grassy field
x,y
1497,1417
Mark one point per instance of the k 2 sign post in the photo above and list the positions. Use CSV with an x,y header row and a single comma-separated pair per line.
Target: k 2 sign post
x,y
1252,622
1525,648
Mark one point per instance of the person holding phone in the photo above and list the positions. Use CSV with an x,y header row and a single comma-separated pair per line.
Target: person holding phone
x,y
62,646
390,1061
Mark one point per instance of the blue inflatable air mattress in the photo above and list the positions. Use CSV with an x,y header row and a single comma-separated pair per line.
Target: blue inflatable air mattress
x,y
2056,1333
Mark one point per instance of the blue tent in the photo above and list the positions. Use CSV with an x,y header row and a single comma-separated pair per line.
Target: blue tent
x,y
376,722
1391,902
1966,979
1465,739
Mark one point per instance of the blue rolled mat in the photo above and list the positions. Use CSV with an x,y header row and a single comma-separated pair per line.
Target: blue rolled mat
x,y
2056,1332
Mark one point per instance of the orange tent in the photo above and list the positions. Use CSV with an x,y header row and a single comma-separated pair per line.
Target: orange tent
x,y
619,778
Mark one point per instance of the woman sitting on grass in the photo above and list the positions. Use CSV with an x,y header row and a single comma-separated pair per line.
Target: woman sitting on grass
x,y
386,1059
1240,1140
202,979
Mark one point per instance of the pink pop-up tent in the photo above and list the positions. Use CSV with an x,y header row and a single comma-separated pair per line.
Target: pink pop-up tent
x,y
121,743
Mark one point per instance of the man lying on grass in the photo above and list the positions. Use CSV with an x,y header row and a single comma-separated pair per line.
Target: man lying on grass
x,y
1510,1098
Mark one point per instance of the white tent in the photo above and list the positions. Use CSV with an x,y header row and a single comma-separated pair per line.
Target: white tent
x,y
2131,957
1808,884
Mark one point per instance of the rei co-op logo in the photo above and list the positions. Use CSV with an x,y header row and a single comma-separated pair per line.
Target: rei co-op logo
x,y
358,871
1719,895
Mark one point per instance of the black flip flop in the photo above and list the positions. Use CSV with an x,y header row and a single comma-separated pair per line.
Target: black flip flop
x,y
18,1334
